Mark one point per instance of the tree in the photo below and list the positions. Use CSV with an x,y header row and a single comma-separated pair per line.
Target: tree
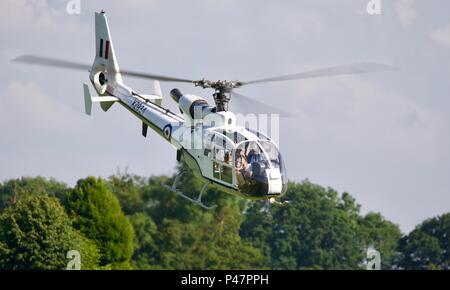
x,y
317,229
96,212
427,246
173,233
211,242
146,246
163,203
382,235
36,233
12,190
126,188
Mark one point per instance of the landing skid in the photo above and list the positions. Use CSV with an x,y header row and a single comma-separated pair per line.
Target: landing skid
x,y
198,200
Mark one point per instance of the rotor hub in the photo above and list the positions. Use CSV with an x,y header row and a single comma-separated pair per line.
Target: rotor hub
x,y
221,87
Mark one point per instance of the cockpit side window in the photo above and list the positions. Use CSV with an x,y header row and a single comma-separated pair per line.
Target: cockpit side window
x,y
222,150
250,165
208,142
272,153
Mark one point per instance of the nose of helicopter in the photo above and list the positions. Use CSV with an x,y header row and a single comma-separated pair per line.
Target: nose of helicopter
x,y
262,180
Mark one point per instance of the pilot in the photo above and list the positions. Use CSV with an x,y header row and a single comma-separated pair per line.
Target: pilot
x,y
253,156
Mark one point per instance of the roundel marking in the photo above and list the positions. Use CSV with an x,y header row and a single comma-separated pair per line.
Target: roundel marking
x,y
167,131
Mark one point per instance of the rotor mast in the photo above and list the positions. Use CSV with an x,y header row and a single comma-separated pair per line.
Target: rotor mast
x,y
222,88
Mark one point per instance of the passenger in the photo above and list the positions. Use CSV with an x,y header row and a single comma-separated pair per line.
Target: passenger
x,y
227,158
241,163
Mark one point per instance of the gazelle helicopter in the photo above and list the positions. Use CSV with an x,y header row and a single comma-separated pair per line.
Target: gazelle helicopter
x,y
232,158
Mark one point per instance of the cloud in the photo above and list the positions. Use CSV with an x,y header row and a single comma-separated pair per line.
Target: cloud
x,y
362,114
405,12
384,146
25,14
29,17
29,107
441,35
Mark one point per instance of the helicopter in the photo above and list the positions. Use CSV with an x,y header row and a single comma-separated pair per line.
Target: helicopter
x,y
234,159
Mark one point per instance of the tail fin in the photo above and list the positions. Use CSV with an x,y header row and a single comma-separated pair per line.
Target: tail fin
x,y
105,71
157,88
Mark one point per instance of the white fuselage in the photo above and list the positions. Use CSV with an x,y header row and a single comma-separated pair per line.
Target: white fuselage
x,y
200,134
207,145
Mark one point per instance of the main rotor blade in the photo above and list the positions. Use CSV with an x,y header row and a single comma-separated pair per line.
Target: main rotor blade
x,y
53,62
356,68
154,77
249,105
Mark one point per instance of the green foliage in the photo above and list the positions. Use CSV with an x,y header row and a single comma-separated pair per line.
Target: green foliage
x,y
124,188
88,249
382,235
427,246
97,214
12,190
172,233
133,222
36,233
145,244
318,229
211,243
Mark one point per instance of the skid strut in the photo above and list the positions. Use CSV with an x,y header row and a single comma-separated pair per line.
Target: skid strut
x,y
198,200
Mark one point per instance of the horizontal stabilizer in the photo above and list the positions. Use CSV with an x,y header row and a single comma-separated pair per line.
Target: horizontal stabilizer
x,y
104,99
88,99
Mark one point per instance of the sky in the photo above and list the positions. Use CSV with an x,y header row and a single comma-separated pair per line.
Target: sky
x,y
383,137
